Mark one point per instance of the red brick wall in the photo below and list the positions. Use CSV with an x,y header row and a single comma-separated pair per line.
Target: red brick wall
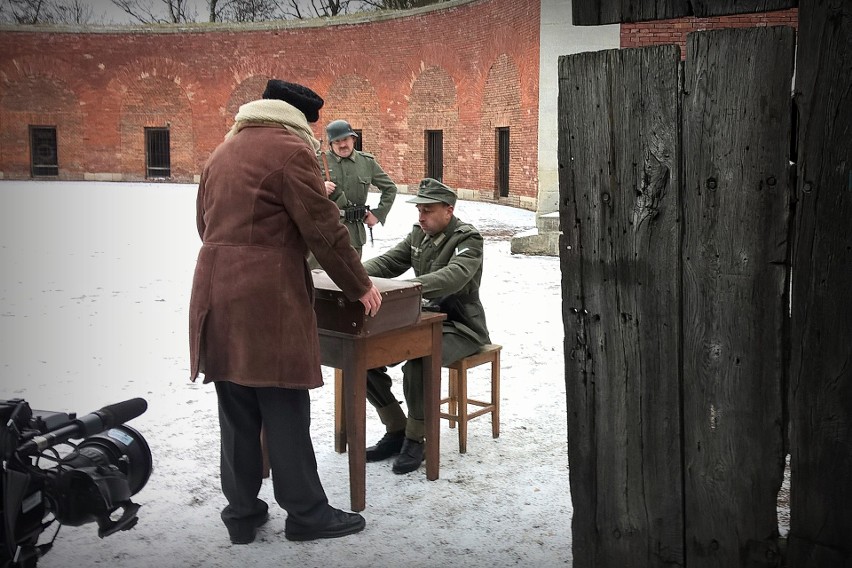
x,y
675,31
466,69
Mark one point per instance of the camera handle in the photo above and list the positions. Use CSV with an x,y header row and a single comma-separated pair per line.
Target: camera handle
x,y
128,520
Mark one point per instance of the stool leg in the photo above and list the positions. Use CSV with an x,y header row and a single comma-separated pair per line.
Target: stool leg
x,y
462,392
453,394
495,396
339,413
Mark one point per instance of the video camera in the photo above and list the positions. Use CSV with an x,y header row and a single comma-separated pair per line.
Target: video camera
x,y
88,481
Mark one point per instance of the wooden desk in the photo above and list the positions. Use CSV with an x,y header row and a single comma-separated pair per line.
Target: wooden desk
x,y
354,355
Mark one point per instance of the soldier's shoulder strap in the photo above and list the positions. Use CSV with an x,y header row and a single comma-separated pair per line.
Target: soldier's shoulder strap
x,y
462,227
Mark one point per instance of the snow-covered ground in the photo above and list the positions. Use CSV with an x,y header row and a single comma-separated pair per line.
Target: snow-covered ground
x,y
93,311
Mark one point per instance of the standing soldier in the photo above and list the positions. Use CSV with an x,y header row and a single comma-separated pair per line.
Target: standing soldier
x,y
348,175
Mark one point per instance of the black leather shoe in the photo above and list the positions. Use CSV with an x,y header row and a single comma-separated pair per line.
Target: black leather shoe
x,y
340,524
410,457
388,446
244,530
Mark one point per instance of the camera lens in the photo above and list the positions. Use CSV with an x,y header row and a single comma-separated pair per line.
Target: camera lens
x,y
124,448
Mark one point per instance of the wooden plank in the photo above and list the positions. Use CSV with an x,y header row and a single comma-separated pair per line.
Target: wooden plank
x,y
598,12
736,125
618,132
821,373
709,8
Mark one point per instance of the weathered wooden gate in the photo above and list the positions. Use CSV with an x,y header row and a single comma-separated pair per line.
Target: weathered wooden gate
x,y
821,322
675,210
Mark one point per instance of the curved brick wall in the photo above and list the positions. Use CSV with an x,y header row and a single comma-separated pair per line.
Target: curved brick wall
x,y
466,67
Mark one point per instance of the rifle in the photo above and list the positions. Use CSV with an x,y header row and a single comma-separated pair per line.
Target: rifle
x,y
325,162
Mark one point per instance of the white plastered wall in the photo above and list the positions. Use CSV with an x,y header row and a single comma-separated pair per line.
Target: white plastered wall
x,y
559,37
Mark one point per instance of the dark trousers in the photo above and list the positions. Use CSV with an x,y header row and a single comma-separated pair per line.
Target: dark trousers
x,y
454,347
286,415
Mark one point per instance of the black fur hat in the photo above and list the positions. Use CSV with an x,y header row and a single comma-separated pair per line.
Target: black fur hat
x,y
297,95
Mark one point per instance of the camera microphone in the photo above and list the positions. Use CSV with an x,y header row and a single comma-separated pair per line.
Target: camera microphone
x,y
107,417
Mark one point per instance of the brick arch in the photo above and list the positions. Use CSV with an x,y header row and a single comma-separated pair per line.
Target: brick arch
x,y
32,93
121,146
432,105
141,68
250,75
38,92
354,99
13,71
501,107
154,92
250,78
248,89
153,101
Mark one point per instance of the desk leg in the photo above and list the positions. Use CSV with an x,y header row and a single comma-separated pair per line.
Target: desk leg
x,y
431,398
355,404
339,413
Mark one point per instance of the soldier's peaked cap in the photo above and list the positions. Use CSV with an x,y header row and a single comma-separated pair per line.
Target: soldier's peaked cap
x,y
433,191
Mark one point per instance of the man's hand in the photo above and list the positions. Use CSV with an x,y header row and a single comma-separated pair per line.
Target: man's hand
x,y
330,187
372,300
370,219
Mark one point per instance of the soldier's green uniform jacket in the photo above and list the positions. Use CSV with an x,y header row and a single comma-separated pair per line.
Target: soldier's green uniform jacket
x,y
353,177
449,267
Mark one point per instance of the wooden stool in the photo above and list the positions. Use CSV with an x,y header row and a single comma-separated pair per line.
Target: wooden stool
x,y
458,401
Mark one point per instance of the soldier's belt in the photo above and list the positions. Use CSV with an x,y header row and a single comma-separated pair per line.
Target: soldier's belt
x,y
354,213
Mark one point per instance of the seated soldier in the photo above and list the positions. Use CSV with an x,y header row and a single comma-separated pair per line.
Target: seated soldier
x,y
446,255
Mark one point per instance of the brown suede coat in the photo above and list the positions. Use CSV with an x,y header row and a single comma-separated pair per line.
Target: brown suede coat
x,y
261,205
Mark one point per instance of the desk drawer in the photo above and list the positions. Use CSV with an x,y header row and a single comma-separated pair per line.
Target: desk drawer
x,y
400,306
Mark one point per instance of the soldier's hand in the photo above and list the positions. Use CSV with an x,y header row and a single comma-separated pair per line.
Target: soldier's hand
x,y
372,300
370,219
330,186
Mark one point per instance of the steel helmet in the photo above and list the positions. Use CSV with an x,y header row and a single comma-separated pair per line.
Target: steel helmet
x,y
338,129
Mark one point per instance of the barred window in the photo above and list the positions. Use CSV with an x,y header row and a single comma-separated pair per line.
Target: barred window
x,y
502,170
44,159
435,154
157,153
